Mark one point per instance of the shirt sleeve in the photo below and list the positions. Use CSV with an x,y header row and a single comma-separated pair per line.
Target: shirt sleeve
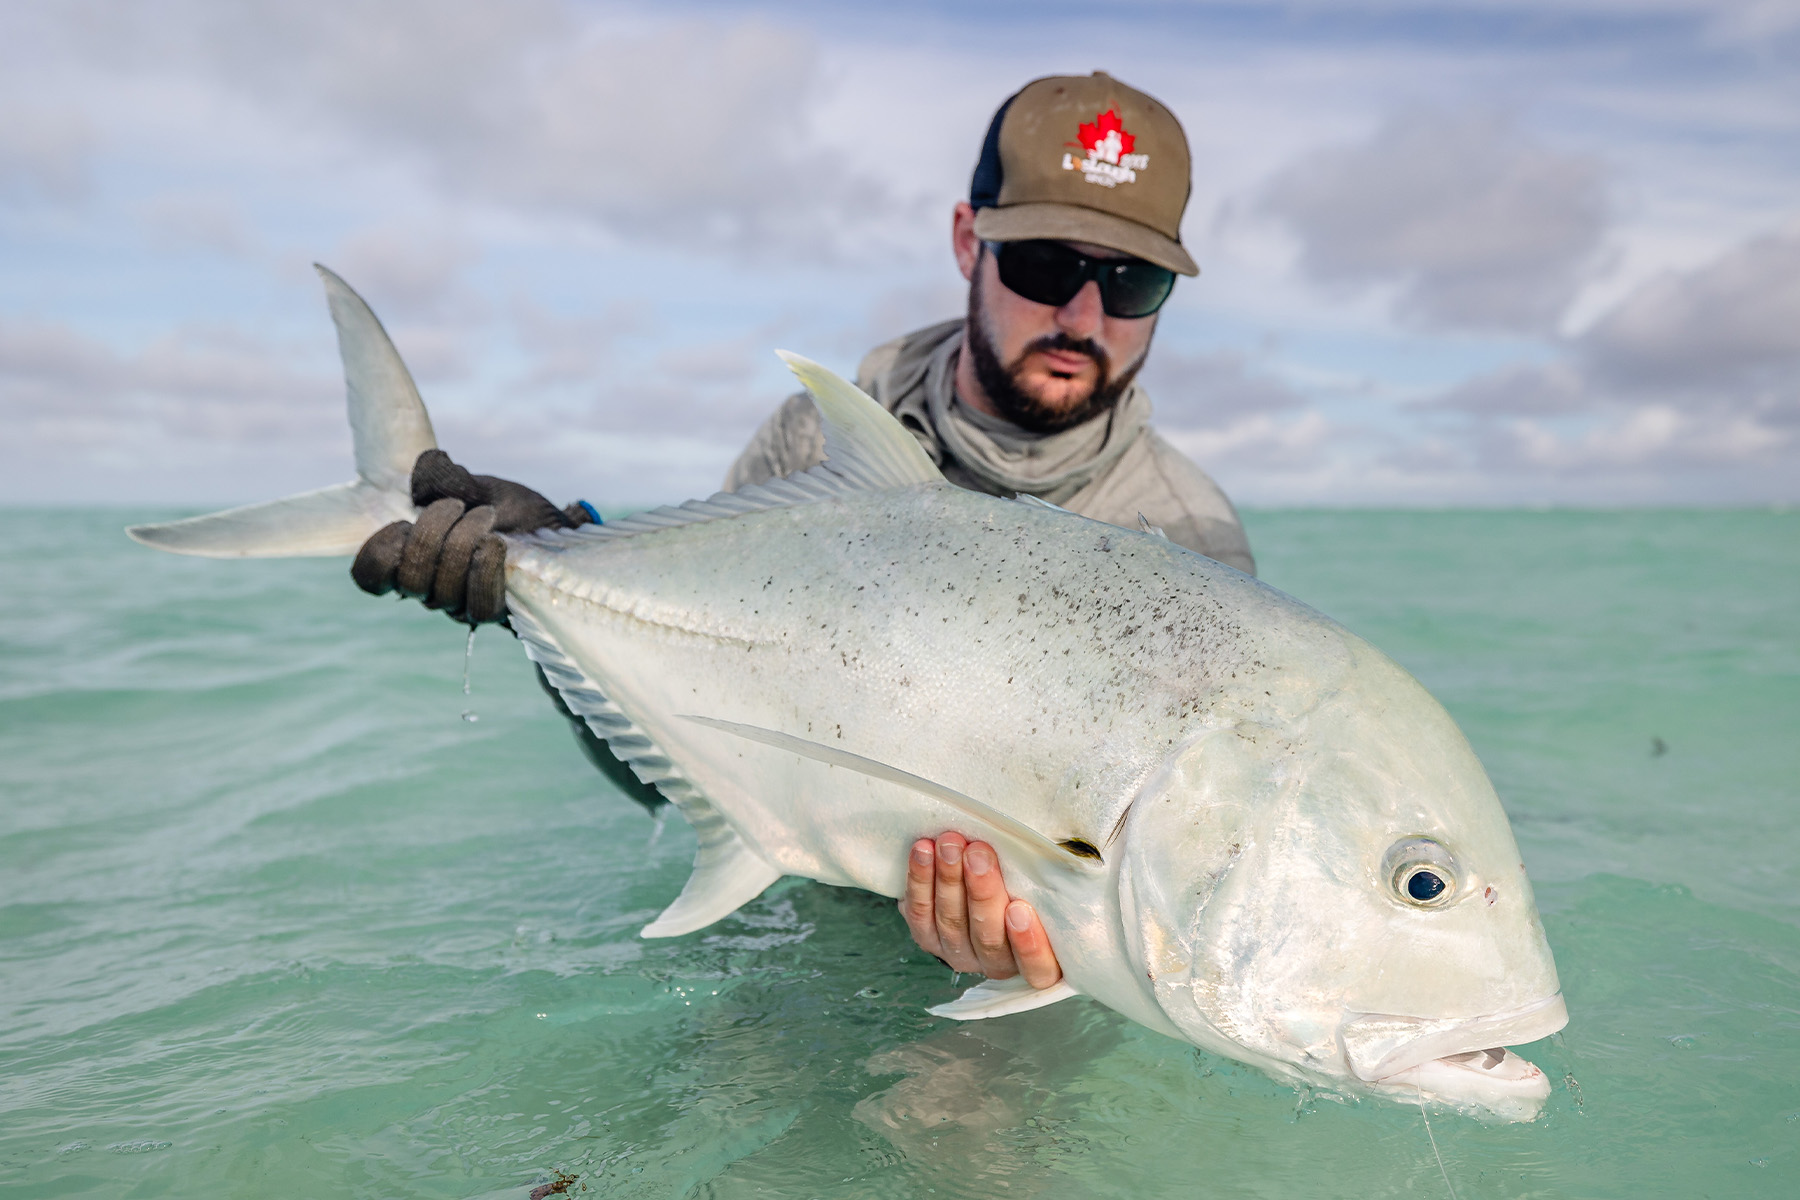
x,y
1159,482
791,440
1200,515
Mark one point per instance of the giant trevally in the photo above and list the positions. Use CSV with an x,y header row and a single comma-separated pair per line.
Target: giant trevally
x,y
1243,826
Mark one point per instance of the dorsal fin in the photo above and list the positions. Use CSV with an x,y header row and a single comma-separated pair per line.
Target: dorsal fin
x,y
866,450
864,444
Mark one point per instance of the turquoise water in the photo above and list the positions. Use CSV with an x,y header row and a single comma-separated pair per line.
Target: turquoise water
x,y
276,921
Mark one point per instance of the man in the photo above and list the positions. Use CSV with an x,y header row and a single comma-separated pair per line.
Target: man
x,y
1070,241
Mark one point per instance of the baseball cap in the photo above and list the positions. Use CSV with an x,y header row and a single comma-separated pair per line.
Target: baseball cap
x,y
1085,159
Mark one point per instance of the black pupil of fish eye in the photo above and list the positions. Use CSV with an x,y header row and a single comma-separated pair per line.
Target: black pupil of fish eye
x,y
1424,885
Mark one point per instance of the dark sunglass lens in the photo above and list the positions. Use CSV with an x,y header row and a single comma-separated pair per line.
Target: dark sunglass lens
x,y
1135,289
1042,272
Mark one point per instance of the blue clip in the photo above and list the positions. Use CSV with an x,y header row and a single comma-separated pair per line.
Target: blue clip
x,y
592,512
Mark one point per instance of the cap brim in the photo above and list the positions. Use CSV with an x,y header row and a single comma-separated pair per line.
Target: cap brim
x,y
1072,223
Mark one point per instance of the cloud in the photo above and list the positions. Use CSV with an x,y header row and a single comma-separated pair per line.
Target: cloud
x,y
1693,371
571,349
408,269
1475,225
693,133
44,151
1733,323
1260,444
191,220
79,410
1213,390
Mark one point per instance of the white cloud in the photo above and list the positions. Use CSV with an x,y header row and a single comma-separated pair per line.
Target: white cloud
x,y
1733,323
697,133
86,422
587,223
1476,225
1692,374
1213,390
44,151
409,269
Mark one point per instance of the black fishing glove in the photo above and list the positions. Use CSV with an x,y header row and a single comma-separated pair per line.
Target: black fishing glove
x,y
453,557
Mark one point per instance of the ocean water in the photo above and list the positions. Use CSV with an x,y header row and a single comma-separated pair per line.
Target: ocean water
x,y
277,920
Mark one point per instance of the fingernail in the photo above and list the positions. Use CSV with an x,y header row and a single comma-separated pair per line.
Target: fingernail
x,y
980,861
951,852
922,854
1018,916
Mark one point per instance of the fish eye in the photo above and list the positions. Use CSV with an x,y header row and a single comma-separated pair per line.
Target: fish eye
x,y
1424,885
1421,872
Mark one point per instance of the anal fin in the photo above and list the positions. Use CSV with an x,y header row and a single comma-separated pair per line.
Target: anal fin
x,y
1001,997
727,875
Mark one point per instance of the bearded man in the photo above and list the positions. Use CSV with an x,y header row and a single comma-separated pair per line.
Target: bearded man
x,y
1070,240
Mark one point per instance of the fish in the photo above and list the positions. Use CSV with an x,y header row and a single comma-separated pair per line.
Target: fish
x,y
1242,825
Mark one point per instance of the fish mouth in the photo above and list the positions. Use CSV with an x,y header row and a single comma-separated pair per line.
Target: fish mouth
x,y
1460,1060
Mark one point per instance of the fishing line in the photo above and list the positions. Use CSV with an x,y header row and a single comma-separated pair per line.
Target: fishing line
x,y
469,714
1433,1140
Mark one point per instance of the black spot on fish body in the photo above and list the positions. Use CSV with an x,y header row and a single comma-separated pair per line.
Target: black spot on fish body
x,y
1081,848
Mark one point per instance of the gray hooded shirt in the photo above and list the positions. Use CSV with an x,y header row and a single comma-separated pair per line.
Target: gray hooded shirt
x,y
1111,468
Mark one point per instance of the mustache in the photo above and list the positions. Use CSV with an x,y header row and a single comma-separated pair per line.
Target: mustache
x,y
1069,345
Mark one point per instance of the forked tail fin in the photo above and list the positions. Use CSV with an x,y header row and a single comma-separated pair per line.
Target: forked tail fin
x,y
390,429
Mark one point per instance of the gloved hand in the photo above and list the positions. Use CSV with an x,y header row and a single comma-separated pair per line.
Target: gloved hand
x,y
453,557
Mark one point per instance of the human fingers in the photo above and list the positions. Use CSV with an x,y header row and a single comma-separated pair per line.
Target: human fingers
x,y
379,558
485,598
518,509
987,911
1031,945
418,562
450,583
952,905
917,903
436,476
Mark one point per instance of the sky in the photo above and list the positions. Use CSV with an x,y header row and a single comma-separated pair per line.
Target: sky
x,y
1512,252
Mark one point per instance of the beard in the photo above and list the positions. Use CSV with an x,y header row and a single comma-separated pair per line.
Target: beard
x,y
1003,381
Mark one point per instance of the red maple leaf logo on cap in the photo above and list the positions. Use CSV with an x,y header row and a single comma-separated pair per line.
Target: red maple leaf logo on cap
x,y
1103,124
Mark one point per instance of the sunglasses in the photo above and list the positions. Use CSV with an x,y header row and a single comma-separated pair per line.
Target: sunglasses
x,y
1052,273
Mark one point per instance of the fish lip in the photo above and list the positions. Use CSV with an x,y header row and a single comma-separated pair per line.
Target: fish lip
x,y
1380,1045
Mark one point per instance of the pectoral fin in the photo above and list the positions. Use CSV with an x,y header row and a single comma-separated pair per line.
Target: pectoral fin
x,y
1068,854
1000,997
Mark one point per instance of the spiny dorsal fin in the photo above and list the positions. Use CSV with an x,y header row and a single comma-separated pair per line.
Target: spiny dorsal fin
x,y
866,450
863,442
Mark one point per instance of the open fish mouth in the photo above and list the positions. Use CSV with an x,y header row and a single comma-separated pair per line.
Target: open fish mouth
x,y
1462,1062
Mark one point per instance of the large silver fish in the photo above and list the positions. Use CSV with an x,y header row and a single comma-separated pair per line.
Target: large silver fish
x,y
1243,826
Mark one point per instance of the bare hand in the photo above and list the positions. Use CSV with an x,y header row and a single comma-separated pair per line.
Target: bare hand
x,y
957,907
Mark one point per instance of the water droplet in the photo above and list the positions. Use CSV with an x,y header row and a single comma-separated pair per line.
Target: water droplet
x,y
468,657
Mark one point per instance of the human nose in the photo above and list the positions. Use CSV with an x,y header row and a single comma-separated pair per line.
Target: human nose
x,y
1081,316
